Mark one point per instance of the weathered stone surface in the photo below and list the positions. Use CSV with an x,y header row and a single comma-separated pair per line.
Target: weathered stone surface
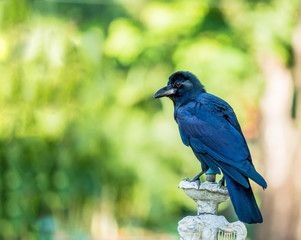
x,y
207,225
207,197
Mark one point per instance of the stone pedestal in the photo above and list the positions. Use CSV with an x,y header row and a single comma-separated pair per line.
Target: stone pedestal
x,y
207,225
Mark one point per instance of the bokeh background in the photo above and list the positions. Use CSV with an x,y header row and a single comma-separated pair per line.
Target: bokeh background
x,y
85,150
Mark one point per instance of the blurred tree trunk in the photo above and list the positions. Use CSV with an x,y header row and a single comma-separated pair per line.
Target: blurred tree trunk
x,y
282,147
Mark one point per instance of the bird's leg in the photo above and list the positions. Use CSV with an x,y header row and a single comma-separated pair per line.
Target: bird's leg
x,y
196,178
222,181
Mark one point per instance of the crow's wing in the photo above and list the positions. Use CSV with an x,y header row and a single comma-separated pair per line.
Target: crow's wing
x,y
210,127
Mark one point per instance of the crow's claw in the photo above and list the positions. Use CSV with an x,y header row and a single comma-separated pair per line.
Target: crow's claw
x,y
197,181
188,179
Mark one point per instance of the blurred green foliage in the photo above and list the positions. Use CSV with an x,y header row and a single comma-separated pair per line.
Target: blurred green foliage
x,y
81,135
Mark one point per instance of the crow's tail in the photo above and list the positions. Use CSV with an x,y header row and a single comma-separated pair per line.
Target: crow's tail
x,y
243,201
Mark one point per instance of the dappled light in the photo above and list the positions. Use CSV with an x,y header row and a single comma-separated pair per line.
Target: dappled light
x,y
86,152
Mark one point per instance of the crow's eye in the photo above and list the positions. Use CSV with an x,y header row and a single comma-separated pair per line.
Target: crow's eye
x,y
178,84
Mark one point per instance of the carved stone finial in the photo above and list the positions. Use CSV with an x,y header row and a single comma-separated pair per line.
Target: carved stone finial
x,y
207,225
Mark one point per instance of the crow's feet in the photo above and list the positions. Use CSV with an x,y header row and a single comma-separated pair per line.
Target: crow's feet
x,y
196,179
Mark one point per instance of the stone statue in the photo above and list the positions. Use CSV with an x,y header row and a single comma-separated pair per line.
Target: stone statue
x,y
207,225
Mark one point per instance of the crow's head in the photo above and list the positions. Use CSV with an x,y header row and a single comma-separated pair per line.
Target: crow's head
x,y
181,85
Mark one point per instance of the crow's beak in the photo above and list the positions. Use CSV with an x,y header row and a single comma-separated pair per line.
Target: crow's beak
x,y
165,92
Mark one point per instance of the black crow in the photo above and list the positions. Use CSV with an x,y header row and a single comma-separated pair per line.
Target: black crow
x,y
209,126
